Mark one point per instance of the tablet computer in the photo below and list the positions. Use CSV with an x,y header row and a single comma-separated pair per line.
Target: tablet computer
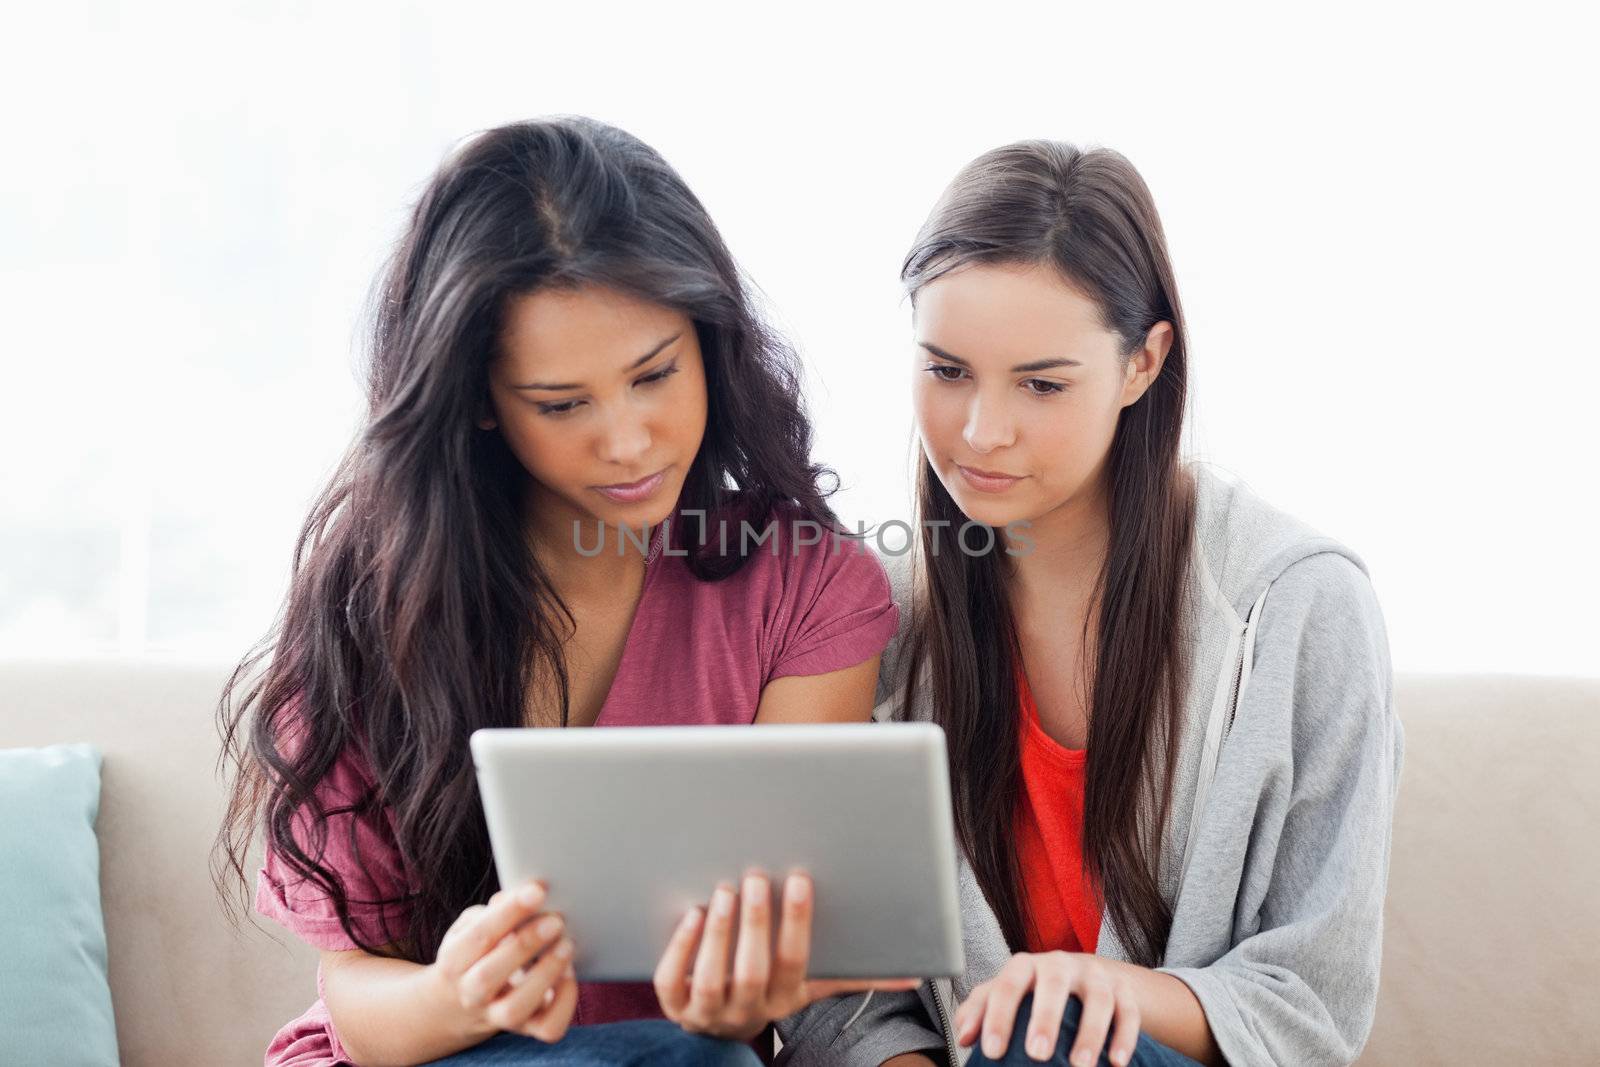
x,y
628,827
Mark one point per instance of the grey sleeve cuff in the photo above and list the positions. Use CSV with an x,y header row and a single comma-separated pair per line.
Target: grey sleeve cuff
x,y
891,1024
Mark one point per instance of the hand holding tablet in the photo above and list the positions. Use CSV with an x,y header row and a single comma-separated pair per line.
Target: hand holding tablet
x,y
629,827
700,991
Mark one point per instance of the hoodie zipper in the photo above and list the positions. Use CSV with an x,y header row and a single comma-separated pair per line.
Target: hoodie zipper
x,y
1238,676
944,1025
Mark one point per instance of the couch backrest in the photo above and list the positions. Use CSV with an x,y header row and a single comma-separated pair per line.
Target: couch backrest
x,y
1491,938
186,988
1492,924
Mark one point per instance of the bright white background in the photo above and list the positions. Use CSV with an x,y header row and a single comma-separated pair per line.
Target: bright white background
x,y
1383,221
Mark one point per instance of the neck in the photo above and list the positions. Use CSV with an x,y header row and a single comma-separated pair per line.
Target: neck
x,y
1069,548
556,531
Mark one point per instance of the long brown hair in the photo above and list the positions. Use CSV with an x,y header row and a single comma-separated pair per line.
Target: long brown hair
x,y
417,611
1089,216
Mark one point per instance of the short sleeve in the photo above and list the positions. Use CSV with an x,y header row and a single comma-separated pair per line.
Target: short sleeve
x,y
836,607
361,849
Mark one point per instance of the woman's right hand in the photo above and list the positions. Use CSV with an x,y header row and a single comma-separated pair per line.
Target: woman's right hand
x,y
507,966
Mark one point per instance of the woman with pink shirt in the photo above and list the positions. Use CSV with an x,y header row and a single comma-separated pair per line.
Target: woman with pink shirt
x,y
573,414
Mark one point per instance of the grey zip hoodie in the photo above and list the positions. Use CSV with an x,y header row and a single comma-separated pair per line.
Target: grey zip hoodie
x,y
1276,851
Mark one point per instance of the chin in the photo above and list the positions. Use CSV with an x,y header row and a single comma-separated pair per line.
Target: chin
x,y
977,507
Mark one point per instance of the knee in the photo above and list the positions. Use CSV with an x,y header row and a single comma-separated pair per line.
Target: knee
x,y
697,1050
1016,1052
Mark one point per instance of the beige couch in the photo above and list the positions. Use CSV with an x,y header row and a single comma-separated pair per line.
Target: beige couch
x,y
1491,949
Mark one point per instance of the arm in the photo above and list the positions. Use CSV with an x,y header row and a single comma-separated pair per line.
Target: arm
x,y
1170,1011
1299,984
392,1012
840,696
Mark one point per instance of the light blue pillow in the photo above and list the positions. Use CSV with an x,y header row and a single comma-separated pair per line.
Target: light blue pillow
x,y
55,1004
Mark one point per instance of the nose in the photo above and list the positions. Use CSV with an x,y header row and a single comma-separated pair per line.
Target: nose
x,y
626,438
989,425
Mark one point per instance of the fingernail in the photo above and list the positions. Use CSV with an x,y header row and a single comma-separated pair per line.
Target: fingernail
x,y
993,1047
1080,1059
549,994
752,885
691,918
549,926
564,949
528,895
1038,1046
722,901
799,888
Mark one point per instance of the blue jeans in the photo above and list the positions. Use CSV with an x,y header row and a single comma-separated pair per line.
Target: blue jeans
x,y
1147,1053
626,1044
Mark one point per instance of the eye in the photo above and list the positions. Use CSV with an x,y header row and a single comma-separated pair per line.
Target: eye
x,y
661,375
938,369
563,407
1046,388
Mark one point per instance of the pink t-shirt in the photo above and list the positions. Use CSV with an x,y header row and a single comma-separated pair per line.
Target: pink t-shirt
x,y
696,653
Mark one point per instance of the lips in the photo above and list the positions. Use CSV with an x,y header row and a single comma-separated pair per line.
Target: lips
x,y
633,492
988,481
625,486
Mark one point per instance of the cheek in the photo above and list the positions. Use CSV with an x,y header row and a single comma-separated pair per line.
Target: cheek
x,y
680,414
938,412
1072,440
546,451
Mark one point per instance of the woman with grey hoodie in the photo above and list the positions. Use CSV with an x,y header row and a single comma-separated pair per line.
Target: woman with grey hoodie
x,y
1173,747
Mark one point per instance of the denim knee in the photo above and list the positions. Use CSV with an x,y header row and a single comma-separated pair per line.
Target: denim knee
x,y
1016,1052
684,1049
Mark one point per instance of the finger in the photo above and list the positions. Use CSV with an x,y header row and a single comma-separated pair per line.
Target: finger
x,y
708,988
970,1013
453,959
550,1025
484,927
672,971
752,954
789,984
1050,991
484,979
1092,1023
528,988
1126,1035
1005,996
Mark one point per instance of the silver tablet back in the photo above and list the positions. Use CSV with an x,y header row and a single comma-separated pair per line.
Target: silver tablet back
x,y
630,826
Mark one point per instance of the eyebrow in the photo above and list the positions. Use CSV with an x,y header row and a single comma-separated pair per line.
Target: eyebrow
x,y
1020,368
635,365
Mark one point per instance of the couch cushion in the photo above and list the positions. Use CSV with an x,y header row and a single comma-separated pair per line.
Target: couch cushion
x,y
55,1005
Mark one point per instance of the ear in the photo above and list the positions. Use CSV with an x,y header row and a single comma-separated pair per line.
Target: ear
x,y
1144,366
487,423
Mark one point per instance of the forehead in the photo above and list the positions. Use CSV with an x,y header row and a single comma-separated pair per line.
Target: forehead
x,y
1009,312
569,333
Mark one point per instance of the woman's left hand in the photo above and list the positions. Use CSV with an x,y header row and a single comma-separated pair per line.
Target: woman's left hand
x,y
692,980
1053,977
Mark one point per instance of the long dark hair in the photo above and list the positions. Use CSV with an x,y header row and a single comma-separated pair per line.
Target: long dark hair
x,y
1089,216
417,612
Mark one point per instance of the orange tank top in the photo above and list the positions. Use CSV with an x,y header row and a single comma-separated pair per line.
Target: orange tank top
x,y
1062,906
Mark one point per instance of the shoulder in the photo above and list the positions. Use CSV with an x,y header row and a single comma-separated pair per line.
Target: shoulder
x,y
1243,544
